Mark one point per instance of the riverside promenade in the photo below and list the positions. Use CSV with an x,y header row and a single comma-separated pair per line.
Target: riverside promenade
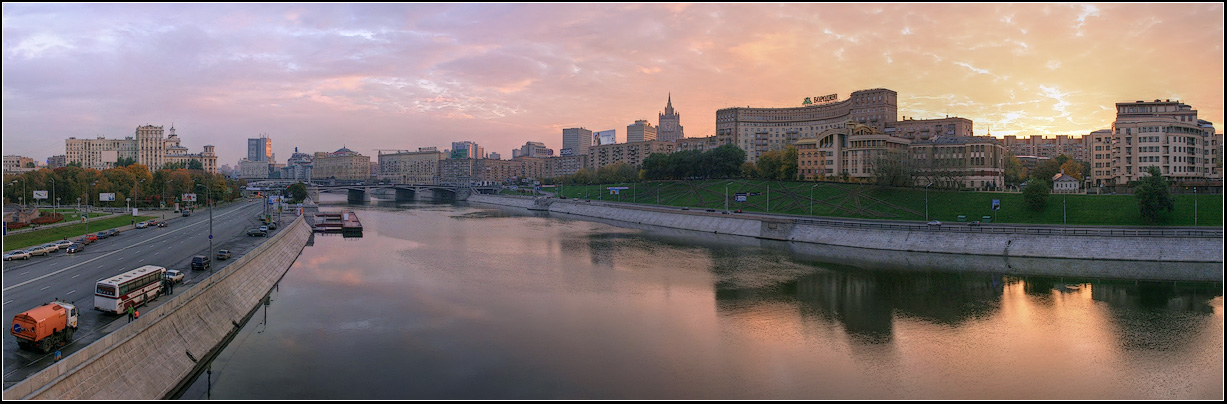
x,y
1157,244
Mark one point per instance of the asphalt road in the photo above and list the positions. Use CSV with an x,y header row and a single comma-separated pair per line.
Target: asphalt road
x,y
72,277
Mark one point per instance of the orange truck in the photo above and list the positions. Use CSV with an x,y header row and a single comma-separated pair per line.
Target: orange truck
x,y
45,327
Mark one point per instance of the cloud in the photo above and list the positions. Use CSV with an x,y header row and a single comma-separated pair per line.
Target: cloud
x,y
413,75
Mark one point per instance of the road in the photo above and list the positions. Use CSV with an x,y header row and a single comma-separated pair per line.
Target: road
x,y
72,277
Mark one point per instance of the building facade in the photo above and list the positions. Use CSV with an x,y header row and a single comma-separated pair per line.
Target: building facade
x,y
760,130
260,149
921,129
669,124
148,148
532,149
1161,133
57,161
605,137
17,164
629,153
420,167
575,142
640,131
467,150
848,151
969,162
343,164
1074,147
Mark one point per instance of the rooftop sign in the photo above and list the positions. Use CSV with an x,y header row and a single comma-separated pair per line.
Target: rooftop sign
x,y
820,100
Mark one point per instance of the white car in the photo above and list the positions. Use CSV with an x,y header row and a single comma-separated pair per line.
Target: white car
x,y
174,275
142,225
935,223
16,254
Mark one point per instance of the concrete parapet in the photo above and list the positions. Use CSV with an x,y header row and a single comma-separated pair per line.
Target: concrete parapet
x,y
147,358
905,238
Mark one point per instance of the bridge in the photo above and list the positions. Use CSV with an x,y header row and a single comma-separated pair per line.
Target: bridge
x,y
402,192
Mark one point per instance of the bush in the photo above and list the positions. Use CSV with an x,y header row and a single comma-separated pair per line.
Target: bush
x,y
48,218
17,225
1035,195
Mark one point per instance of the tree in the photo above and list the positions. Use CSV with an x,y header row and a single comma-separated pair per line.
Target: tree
x,y
893,168
1076,169
749,170
788,165
1015,173
30,164
173,166
1152,195
195,165
74,164
1035,195
298,191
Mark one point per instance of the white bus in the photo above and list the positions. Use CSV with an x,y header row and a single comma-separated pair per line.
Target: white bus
x,y
132,288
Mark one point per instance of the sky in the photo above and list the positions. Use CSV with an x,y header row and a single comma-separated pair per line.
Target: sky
x,y
402,76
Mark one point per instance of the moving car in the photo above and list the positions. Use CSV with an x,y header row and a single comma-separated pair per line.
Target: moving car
x,y
174,275
162,223
103,234
142,225
187,213
257,233
76,248
223,255
975,223
16,254
935,223
200,262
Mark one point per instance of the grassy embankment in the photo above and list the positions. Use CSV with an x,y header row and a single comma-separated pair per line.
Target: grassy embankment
x,y
873,202
36,237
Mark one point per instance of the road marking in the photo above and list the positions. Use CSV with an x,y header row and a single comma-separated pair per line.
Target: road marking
x,y
167,234
75,276
44,288
23,273
10,301
70,292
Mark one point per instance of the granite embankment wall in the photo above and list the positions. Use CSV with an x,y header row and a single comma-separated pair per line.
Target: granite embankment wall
x,y
148,358
906,238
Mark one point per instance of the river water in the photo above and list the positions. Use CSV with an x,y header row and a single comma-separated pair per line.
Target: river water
x,y
470,301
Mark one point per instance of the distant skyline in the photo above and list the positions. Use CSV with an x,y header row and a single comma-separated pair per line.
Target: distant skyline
x,y
403,76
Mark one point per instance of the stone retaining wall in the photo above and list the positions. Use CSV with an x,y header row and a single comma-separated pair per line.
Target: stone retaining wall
x,y
170,338
1128,248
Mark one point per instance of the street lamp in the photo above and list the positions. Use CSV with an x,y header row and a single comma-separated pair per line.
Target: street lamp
x,y
927,201
726,196
87,205
128,207
811,199
209,255
1194,206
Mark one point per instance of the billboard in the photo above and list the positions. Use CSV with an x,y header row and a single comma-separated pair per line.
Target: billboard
x,y
188,198
40,194
565,152
104,197
605,137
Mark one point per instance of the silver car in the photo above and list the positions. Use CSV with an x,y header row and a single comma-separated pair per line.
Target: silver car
x,y
16,254
42,249
62,244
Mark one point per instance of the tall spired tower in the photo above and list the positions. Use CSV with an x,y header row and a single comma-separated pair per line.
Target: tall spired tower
x,y
669,126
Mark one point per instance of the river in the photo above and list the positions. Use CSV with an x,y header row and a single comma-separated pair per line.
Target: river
x,y
471,301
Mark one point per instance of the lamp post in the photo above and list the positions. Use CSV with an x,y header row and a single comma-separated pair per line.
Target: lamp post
x,y
87,205
208,200
726,196
128,207
1194,206
811,199
1064,215
927,202
56,206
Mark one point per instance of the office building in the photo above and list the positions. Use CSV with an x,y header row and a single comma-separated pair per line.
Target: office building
x,y
640,131
575,142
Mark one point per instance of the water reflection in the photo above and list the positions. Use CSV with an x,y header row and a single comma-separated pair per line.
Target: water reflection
x,y
474,302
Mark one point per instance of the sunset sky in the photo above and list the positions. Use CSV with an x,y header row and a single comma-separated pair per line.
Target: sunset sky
x,y
403,76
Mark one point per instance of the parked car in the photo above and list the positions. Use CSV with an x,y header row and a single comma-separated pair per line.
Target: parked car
x,y
17,255
62,244
142,225
272,225
935,223
114,232
103,234
51,247
223,255
264,229
76,248
200,262
257,233
41,249
174,275
187,213
88,238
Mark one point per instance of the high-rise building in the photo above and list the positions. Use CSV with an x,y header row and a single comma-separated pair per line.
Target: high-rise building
x,y
605,137
57,161
629,153
669,124
467,150
640,131
575,142
260,149
532,149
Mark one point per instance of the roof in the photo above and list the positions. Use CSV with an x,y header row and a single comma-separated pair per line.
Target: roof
x,y
1063,177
